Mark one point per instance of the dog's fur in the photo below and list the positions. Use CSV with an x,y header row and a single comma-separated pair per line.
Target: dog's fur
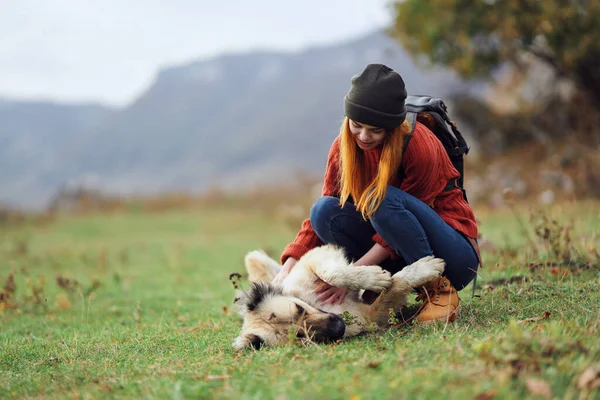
x,y
275,314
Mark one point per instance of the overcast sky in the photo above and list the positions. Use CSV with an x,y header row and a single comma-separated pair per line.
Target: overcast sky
x,y
110,50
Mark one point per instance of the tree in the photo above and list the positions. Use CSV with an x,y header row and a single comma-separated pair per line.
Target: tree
x,y
475,37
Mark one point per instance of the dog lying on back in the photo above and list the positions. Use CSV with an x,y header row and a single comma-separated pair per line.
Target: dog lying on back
x,y
276,314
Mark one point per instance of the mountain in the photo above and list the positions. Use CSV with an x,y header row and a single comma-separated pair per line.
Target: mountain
x,y
231,121
32,137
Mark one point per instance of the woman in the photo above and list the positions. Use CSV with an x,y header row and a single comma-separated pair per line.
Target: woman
x,y
380,219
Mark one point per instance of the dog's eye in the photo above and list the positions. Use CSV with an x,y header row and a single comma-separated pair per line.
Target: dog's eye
x,y
272,316
300,310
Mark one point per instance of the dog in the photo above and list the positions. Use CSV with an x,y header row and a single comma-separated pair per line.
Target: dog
x,y
276,314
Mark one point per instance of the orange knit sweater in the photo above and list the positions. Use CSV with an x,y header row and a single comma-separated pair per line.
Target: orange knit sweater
x,y
427,172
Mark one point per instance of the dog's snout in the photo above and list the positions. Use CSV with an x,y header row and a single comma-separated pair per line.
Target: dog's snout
x,y
337,327
329,328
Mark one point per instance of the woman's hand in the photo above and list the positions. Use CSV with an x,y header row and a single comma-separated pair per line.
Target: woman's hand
x,y
285,270
330,294
334,295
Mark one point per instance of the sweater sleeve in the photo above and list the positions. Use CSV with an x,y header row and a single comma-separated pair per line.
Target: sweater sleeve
x,y
307,239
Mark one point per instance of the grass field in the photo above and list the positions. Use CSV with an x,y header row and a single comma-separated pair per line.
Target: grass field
x,y
136,305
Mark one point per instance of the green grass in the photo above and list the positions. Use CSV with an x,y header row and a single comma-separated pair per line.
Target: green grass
x,y
160,324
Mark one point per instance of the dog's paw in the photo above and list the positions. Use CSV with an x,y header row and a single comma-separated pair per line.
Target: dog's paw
x,y
260,267
374,278
422,271
436,266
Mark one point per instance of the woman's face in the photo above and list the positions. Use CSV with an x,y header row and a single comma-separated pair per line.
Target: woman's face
x,y
367,137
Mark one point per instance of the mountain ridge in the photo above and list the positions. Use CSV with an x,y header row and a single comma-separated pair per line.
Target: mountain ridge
x,y
230,121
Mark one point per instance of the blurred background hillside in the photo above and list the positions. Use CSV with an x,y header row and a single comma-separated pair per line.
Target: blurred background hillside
x,y
154,98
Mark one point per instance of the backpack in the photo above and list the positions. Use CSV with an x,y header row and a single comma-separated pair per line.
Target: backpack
x,y
433,113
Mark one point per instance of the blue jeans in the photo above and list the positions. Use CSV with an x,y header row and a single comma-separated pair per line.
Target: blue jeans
x,y
409,226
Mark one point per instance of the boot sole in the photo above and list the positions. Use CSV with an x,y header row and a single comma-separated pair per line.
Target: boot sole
x,y
450,318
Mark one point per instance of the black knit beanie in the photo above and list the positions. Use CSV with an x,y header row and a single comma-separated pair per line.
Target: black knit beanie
x,y
377,97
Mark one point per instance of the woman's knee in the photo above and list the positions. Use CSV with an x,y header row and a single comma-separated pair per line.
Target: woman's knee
x,y
322,212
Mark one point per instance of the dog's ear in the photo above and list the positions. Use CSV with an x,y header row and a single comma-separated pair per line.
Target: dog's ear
x,y
250,300
259,292
248,340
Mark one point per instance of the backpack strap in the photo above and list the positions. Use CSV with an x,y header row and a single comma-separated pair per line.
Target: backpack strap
x,y
475,246
411,117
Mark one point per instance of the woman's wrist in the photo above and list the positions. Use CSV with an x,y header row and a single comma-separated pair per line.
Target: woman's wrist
x,y
375,256
289,264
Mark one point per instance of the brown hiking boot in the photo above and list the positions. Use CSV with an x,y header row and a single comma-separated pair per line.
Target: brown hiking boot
x,y
440,302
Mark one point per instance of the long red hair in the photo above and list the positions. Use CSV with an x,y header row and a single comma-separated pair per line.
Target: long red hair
x,y
367,196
